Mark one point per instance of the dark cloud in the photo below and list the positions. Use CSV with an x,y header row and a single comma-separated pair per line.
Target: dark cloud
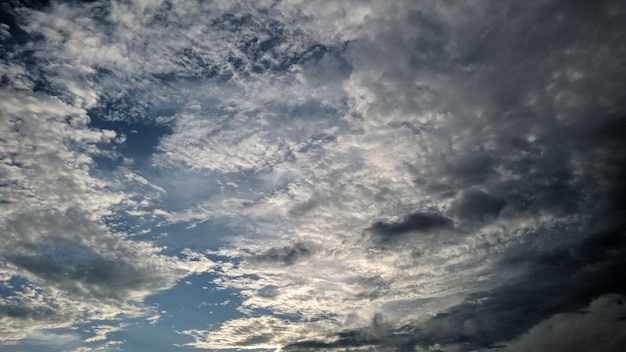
x,y
563,280
471,169
599,327
502,67
378,334
478,205
420,222
287,255
79,259
83,272
20,311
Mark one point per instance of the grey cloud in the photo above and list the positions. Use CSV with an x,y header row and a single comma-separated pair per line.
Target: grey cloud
x,y
287,255
384,336
472,168
376,336
420,222
478,205
19,310
75,270
269,291
509,93
95,277
304,207
563,280
600,327
65,248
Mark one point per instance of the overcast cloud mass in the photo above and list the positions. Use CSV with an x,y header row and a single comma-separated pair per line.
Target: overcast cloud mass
x,y
313,176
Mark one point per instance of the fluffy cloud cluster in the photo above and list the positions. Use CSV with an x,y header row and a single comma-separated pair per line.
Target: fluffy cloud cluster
x,y
60,265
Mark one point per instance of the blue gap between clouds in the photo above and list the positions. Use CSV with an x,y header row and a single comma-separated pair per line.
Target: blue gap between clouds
x,y
193,303
141,141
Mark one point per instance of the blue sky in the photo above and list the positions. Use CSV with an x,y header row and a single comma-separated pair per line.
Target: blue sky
x,y
312,176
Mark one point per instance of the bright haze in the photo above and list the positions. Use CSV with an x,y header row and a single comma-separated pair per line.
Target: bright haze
x,y
313,175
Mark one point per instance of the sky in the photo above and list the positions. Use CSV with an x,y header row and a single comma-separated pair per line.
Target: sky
x,y
349,175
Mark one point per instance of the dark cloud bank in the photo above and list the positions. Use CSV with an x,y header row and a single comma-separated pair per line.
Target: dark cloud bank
x,y
573,296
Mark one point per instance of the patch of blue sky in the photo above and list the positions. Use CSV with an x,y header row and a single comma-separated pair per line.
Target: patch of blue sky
x,y
13,281
207,235
193,303
145,337
141,140
187,188
184,188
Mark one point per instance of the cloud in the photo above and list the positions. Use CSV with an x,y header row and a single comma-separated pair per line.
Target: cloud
x,y
447,109
75,271
419,222
286,255
61,264
600,327
101,332
491,132
55,339
257,332
455,142
477,205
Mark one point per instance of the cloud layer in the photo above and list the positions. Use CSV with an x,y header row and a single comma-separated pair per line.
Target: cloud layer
x,y
364,175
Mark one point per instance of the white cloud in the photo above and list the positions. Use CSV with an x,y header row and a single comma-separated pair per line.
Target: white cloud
x,y
261,332
101,332
50,338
